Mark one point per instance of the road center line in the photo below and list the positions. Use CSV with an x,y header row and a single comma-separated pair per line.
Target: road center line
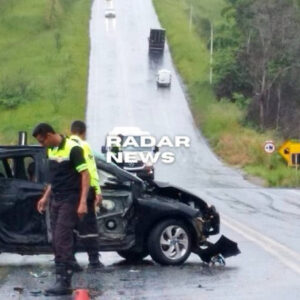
x,y
287,256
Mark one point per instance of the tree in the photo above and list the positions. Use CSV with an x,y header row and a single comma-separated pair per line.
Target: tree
x,y
272,51
265,61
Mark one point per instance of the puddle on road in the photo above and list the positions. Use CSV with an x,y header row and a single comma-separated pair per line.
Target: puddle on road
x,y
120,280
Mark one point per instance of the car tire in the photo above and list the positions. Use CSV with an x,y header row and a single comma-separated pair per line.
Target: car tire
x,y
133,256
169,243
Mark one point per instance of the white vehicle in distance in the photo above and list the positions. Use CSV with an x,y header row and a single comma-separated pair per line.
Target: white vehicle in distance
x,y
139,168
164,78
110,13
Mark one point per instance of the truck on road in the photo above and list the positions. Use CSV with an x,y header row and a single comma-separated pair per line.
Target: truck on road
x,y
157,40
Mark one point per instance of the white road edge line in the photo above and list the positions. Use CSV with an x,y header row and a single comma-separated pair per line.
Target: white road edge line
x,y
287,256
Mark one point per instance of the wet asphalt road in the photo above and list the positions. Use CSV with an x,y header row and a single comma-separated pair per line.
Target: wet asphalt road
x,y
265,222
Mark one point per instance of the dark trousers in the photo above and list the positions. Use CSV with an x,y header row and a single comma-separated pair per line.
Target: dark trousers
x,y
63,218
87,227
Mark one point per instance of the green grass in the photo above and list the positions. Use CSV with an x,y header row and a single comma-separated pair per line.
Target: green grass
x,y
52,56
221,122
279,175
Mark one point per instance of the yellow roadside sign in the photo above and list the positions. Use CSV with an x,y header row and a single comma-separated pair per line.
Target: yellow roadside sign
x,y
290,151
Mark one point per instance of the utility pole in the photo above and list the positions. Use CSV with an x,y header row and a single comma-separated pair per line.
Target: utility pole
x,y
296,159
211,52
191,17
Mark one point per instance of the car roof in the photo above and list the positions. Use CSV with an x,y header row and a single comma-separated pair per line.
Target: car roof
x,y
164,71
127,130
157,29
20,149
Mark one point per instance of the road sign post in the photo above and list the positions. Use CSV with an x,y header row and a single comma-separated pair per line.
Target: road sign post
x,y
269,147
296,161
290,150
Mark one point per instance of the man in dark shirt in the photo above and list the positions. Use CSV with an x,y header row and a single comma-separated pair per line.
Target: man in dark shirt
x,y
69,184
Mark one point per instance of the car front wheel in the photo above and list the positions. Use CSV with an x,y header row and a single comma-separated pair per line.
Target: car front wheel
x,y
169,243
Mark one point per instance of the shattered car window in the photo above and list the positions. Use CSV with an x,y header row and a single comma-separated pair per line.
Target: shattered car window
x,y
19,167
105,177
2,170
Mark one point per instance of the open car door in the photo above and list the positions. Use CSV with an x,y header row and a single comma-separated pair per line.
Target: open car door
x,y
116,216
20,223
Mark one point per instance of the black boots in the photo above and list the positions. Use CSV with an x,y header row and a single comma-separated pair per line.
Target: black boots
x,y
94,262
76,266
62,284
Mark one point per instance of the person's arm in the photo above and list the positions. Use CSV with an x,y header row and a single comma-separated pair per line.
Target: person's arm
x,y
85,184
79,163
96,186
42,203
98,200
90,159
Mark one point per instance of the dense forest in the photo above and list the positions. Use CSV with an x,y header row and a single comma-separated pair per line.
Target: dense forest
x,y
257,62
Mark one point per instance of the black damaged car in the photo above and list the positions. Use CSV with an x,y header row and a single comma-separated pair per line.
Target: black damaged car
x,y
137,218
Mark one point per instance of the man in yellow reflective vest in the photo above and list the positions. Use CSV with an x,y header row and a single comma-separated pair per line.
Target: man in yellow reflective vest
x,y
68,185
87,227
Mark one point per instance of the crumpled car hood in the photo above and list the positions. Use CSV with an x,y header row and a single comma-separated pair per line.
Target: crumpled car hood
x,y
175,192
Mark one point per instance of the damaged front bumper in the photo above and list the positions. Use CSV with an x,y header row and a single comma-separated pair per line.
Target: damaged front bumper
x,y
208,251
209,224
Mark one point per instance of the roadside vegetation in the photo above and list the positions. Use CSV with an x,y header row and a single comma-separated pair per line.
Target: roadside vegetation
x,y
44,49
254,93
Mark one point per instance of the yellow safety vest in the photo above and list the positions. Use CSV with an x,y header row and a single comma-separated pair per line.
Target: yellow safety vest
x,y
64,175
91,163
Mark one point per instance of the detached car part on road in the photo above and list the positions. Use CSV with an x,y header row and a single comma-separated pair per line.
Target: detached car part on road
x,y
137,218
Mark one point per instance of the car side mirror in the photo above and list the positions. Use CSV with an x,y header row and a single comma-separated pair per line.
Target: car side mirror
x,y
103,149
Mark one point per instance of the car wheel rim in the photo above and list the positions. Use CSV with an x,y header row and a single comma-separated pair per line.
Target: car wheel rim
x,y
174,242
